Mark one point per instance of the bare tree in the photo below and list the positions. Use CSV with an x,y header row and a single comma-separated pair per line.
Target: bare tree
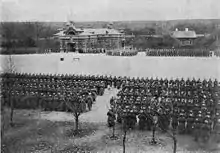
x,y
76,105
124,139
172,134
112,117
38,29
125,122
172,117
8,34
125,129
7,84
11,81
3,105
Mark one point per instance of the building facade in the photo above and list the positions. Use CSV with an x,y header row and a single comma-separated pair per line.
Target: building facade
x,y
185,38
74,39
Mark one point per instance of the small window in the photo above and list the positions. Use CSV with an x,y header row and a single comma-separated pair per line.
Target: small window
x,y
186,42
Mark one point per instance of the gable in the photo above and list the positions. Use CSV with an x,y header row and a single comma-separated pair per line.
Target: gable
x,y
70,31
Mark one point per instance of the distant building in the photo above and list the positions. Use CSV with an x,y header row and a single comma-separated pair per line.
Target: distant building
x,y
185,38
86,39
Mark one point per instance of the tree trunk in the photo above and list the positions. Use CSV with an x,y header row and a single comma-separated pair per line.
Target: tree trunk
x,y
3,113
37,44
174,142
124,138
12,111
76,123
113,131
2,133
175,145
154,129
39,110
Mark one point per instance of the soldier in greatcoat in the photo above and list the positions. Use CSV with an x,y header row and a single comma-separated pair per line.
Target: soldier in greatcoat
x,y
142,121
111,118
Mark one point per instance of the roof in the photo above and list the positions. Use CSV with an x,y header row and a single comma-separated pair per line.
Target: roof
x,y
69,26
153,36
61,33
184,34
102,31
85,32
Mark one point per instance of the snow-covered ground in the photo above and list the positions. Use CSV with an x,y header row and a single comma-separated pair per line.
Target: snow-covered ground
x,y
137,66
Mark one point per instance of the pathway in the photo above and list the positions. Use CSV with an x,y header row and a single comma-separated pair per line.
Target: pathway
x,y
97,114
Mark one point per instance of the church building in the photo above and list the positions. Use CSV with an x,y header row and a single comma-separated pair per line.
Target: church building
x,y
74,39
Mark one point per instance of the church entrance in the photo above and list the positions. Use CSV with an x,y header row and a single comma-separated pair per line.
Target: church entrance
x,y
71,47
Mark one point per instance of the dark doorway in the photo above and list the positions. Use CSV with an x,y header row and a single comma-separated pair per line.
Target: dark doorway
x,y
123,43
71,47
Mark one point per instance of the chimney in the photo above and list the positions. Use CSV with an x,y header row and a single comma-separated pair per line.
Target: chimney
x,y
186,29
176,29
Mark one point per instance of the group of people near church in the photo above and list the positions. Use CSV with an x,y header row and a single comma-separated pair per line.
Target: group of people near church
x,y
187,106
121,53
179,52
92,51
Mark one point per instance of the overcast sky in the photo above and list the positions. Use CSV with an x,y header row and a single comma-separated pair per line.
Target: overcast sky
x,y
108,10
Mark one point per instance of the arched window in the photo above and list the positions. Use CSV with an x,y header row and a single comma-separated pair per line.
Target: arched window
x,y
71,32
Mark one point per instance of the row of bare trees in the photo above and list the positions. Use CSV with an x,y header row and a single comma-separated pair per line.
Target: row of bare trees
x,y
154,117
76,105
25,34
10,68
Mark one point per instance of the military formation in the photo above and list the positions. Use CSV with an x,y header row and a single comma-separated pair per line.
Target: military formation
x,y
92,51
52,90
178,52
190,106
156,52
121,53
153,52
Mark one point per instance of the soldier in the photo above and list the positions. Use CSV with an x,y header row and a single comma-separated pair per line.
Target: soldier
x,y
210,84
119,118
131,118
134,119
114,80
216,116
89,101
142,120
204,82
175,118
149,120
215,83
217,124
197,127
162,118
181,120
190,121
205,130
112,101
111,118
